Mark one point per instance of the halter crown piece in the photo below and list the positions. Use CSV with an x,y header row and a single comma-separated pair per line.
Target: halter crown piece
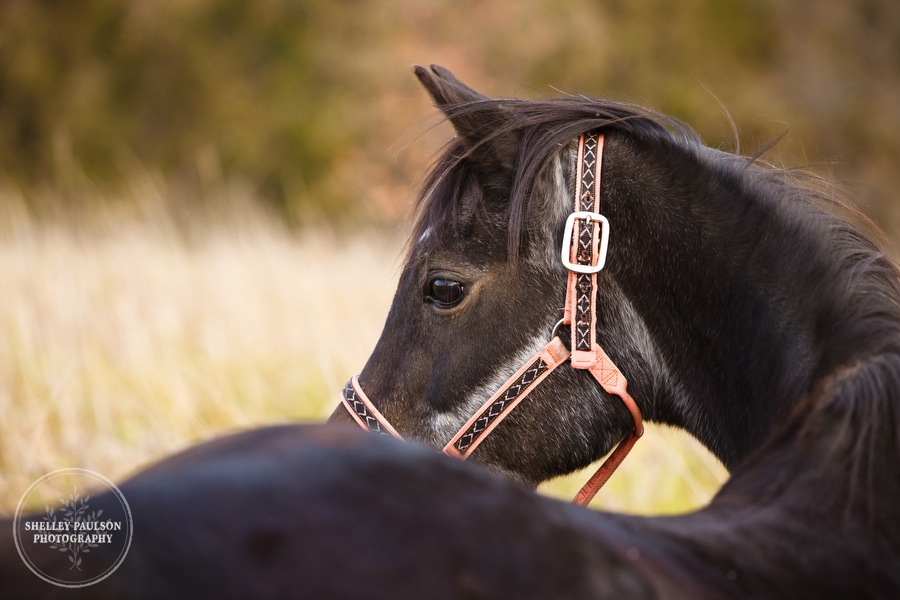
x,y
583,253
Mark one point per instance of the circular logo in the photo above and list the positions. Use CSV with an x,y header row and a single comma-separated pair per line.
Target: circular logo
x,y
73,528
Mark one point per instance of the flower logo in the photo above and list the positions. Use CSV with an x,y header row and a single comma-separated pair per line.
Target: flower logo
x,y
78,539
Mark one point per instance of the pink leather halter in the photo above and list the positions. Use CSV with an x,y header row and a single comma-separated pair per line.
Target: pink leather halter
x,y
584,254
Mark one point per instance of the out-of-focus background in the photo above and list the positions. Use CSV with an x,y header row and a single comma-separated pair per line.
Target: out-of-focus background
x,y
188,189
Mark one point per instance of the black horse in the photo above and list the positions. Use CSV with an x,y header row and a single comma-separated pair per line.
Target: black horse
x,y
738,309
330,512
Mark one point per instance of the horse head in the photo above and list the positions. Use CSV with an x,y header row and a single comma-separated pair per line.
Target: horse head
x,y
483,286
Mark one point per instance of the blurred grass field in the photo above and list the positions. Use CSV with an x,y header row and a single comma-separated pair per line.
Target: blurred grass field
x,y
125,337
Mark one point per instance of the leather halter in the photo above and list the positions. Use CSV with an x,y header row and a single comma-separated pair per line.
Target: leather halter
x,y
584,254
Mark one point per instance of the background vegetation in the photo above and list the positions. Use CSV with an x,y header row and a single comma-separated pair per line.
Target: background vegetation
x,y
310,103
176,175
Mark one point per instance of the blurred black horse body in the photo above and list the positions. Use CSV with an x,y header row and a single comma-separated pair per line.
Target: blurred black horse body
x,y
738,308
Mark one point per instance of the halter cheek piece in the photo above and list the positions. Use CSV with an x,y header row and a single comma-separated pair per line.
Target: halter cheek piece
x,y
584,254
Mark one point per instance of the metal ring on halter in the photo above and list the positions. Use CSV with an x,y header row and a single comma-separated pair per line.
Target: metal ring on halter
x,y
555,331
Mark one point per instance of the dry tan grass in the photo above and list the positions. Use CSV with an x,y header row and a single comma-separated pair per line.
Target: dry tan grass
x,y
124,339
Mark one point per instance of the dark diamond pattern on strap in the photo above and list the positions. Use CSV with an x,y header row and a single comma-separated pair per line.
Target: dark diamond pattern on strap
x,y
588,172
363,411
583,323
582,319
490,413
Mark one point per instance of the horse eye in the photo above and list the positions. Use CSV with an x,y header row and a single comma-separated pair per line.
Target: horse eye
x,y
445,293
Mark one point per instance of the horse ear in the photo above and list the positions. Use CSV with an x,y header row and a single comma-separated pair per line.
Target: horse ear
x,y
478,120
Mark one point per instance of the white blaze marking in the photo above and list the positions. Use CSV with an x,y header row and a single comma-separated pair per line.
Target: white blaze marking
x,y
445,425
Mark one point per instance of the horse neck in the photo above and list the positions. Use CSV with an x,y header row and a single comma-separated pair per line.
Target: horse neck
x,y
813,512
749,296
779,332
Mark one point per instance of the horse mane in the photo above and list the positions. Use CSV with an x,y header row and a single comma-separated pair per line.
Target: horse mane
x,y
850,417
542,128
857,380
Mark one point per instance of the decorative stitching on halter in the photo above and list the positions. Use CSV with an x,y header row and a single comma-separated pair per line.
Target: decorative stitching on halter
x,y
583,324
359,408
447,425
491,412
516,388
586,199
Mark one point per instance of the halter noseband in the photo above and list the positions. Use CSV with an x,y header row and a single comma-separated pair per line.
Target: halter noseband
x,y
584,254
